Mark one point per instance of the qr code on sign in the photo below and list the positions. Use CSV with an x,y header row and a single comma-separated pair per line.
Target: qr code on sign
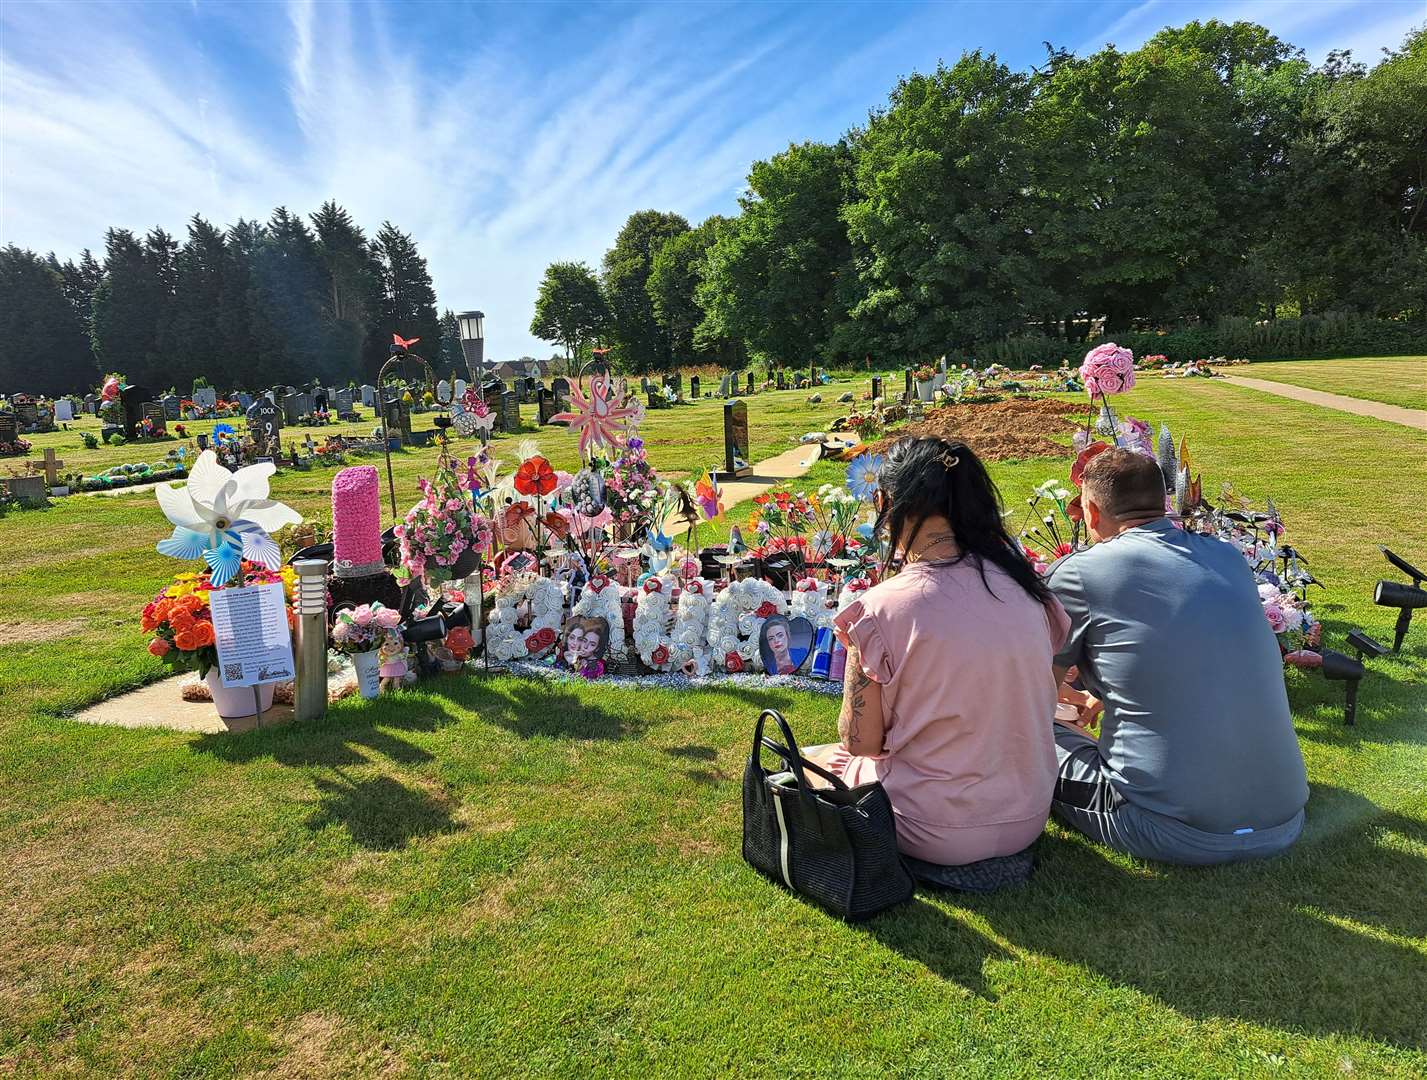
x,y
232,672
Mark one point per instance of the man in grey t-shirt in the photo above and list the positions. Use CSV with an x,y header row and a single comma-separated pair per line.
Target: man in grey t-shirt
x,y
1197,760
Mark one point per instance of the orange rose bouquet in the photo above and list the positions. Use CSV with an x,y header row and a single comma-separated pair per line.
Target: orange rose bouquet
x,y
181,622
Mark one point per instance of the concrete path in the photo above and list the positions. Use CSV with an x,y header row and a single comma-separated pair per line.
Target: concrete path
x,y
1378,410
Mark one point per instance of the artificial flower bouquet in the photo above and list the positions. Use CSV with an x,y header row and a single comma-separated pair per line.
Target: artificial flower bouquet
x,y
441,528
363,628
925,373
181,621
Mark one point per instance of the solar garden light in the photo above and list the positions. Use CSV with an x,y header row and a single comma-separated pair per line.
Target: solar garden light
x,y
1339,667
311,694
1406,598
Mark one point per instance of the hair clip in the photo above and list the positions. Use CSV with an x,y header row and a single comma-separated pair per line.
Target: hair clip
x,y
949,460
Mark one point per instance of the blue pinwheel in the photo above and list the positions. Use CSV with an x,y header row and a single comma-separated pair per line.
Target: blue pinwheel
x,y
224,517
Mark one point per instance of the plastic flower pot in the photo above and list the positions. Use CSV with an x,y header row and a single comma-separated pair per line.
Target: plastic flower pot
x,y
235,702
368,664
925,389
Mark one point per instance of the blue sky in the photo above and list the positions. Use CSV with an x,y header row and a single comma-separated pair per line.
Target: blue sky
x,y
503,136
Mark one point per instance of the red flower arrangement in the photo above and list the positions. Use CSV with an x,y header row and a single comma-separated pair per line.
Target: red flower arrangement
x,y
535,477
766,610
660,655
733,663
539,641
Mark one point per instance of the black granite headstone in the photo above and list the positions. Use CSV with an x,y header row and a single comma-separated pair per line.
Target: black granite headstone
x,y
750,383
909,391
561,388
155,412
264,420
735,439
782,380
693,386
876,387
510,411
545,403
9,429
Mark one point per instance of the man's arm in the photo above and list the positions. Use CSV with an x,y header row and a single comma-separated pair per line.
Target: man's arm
x,y
860,722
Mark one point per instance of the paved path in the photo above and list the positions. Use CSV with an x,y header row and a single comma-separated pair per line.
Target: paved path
x,y
1378,410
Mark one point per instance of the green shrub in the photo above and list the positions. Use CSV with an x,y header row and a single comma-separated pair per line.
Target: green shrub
x,y
1308,336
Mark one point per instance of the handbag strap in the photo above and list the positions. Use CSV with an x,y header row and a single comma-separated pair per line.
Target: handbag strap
x,y
811,766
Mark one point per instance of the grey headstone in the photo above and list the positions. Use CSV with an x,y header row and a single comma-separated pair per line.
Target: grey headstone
x,y
369,395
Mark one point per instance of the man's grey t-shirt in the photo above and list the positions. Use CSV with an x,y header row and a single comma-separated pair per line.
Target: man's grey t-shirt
x,y
1167,630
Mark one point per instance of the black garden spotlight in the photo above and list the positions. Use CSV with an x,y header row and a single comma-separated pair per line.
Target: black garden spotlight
x,y
1406,598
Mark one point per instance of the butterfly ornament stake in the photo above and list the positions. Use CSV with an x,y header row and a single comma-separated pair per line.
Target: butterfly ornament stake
x,y
224,517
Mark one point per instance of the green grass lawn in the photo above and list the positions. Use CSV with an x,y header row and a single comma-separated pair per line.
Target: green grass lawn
x,y
1395,380
499,877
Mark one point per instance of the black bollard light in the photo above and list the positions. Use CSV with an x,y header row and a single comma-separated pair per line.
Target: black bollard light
x,y
1406,598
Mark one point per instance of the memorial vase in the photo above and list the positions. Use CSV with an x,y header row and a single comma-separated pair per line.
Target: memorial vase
x,y
367,665
234,702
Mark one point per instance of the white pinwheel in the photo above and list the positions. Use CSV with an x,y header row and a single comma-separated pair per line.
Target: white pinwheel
x,y
224,517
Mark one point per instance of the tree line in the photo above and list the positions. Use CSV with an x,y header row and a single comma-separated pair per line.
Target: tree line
x,y
1211,176
256,304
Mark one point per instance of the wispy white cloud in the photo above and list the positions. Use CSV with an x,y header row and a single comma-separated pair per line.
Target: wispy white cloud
x,y
517,152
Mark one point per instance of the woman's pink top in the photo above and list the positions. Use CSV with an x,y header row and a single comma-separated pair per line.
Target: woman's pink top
x,y
967,701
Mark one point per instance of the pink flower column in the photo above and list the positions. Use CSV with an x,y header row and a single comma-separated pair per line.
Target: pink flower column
x,y
356,519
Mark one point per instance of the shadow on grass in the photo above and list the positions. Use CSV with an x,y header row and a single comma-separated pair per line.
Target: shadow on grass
x,y
1324,939
529,708
382,813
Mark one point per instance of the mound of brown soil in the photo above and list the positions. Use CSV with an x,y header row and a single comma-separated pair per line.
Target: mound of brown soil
x,y
1014,428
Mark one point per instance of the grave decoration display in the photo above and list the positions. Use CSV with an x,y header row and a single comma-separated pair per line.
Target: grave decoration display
x,y
180,623
362,633
443,536
526,619
1107,369
736,620
784,644
1054,525
224,517
585,644
12,444
358,573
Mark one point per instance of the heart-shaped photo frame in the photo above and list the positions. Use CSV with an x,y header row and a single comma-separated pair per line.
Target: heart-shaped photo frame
x,y
785,644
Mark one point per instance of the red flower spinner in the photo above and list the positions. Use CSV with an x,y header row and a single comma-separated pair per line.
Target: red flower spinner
x,y
535,477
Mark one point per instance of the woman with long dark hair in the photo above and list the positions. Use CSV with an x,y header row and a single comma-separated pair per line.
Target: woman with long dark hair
x,y
949,694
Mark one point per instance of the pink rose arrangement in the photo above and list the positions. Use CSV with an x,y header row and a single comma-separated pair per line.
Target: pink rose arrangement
x,y
364,628
1108,369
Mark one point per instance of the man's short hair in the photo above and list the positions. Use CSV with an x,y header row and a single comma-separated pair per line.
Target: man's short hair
x,y
1124,484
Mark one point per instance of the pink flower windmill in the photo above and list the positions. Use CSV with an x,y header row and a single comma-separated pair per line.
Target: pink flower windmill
x,y
597,418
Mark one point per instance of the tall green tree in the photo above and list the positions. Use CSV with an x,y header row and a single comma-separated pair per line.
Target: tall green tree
x,y
408,300
198,343
239,309
570,310
939,232
131,305
674,279
774,276
43,345
453,356
290,317
353,291
640,343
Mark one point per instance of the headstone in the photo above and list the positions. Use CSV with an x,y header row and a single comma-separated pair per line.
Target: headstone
x,y
723,386
510,411
64,411
545,402
491,391
735,439
561,387
532,387
170,405
91,404
245,401
206,396
342,401
132,399
782,380
909,391
750,383
154,412
676,380
876,387
443,391
460,389
9,429
50,467
800,381
292,408
694,387
264,420
369,395
644,384
28,415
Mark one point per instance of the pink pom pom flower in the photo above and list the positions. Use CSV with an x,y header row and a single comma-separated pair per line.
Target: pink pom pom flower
x,y
1108,369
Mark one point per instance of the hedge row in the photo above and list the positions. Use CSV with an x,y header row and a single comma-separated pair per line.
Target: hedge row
x,y
1311,336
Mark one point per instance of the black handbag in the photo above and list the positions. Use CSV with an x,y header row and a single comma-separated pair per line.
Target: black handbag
x,y
836,846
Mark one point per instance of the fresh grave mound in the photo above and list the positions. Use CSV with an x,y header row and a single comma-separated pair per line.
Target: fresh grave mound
x,y
999,430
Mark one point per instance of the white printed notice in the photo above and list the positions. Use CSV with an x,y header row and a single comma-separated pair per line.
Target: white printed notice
x,y
251,632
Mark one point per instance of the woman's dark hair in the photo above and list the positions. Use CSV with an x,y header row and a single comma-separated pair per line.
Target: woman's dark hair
x,y
926,477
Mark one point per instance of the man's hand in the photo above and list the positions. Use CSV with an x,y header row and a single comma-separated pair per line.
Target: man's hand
x,y
1087,706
